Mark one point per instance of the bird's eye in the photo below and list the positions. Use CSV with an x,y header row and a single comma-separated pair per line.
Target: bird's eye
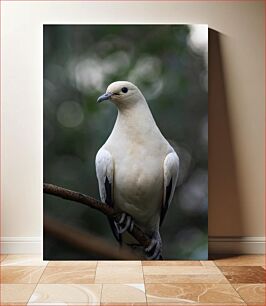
x,y
124,90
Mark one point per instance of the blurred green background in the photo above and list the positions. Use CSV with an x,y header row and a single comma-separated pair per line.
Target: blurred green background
x,y
169,65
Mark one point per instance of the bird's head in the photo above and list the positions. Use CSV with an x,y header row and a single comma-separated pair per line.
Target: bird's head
x,y
122,93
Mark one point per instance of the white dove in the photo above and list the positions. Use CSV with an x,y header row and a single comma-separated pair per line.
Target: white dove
x,y
137,169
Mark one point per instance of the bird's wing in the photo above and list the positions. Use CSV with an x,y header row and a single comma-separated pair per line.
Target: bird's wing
x,y
104,172
171,169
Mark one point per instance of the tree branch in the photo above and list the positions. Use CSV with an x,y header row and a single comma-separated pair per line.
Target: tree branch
x,y
71,195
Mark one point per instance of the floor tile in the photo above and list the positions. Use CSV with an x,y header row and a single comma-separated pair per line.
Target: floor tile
x,y
128,304
183,274
192,293
251,293
171,263
23,260
68,275
123,293
2,256
21,275
119,273
208,263
16,293
14,304
123,263
195,304
248,274
241,260
73,294
75,263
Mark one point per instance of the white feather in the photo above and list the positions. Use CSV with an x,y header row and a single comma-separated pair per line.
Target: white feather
x,y
104,168
171,170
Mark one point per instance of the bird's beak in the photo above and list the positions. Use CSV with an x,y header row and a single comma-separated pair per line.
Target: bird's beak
x,y
104,97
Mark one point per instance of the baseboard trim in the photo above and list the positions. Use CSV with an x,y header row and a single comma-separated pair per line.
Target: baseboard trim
x,y
21,245
217,245
236,245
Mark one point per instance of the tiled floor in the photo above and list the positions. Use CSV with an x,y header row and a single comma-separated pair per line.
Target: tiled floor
x,y
27,280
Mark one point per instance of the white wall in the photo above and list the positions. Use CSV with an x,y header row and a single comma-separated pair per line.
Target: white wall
x,y
236,198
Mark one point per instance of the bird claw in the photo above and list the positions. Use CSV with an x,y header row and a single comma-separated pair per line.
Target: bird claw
x,y
153,251
125,223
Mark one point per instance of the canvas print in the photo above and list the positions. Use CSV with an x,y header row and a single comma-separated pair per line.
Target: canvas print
x,y
125,142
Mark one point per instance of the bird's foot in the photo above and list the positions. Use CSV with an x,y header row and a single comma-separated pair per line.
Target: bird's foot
x,y
154,250
125,223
